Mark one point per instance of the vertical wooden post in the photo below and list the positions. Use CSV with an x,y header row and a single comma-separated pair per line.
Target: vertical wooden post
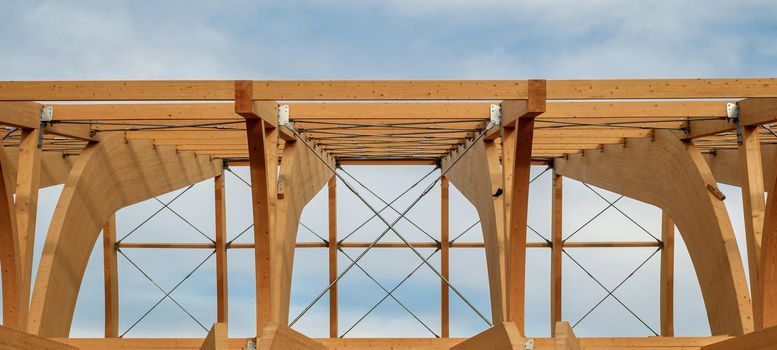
x,y
445,258
26,209
222,279
519,203
263,162
333,322
111,278
557,248
667,276
754,205
260,193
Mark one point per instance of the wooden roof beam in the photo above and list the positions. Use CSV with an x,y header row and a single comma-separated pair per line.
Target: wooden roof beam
x,y
250,108
28,115
371,111
752,112
223,90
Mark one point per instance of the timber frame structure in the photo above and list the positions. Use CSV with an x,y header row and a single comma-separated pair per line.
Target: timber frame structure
x,y
665,142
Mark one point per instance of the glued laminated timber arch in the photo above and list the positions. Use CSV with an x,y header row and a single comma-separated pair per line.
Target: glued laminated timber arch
x,y
106,177
672,175
303,176
471,177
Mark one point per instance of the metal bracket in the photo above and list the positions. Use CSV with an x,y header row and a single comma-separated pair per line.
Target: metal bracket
x,y
496,114
47,114
283,115
250,345
732,111
529,345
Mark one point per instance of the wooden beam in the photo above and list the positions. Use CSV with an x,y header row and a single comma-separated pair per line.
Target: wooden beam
x,y
444,258
390,90
753,206
73,131
519,203
764,339
134,90
111,278
246,107
217,338
631,343
503,336
280,337
556,252
369,112
267,111
332,249
107,176
661,89
222,271
352,161
666,289
26,208
11,339
706,229
752,112
564,338
385,90
757,111
10,251
20,114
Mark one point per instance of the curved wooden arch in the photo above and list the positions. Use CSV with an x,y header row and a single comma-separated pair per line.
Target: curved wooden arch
x,y
304,175
106,177
672,174
766,310
472,177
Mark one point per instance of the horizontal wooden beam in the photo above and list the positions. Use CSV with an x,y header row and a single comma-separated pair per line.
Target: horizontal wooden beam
x,y
765,339
221,90
20,114
74,131
142,245
15,340
372,111
634,343
661,88
752,112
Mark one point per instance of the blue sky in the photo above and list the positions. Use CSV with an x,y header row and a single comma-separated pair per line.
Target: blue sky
x,y
403,39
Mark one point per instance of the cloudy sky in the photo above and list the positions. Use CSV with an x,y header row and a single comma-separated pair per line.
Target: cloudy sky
x,y
402,39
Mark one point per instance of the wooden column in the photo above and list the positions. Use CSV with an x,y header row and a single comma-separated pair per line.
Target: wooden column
x,y
222,280
519,203
445,258
753,204
111,278
557,249
26,208
333,323
10,257
260,193
667,276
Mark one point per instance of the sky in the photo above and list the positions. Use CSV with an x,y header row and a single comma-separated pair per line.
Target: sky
x,y
402,39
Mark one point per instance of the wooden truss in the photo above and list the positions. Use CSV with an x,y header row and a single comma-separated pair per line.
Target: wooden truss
x,y
666,142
